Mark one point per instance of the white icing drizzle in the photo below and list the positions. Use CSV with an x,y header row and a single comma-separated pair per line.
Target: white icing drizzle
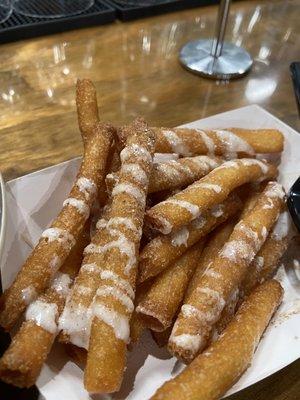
x,y
159,158
214,294
137,151
189,311
199,222
214,274
233,143
84,290
61,235
217,210
176,143
118,322
55,263
169,170
269,204
124,245
187,341
237,250
282,226
61,284
119,295
180,237
210,186
166,225
131,190
275,190
264,232
263,166
229,164
136,171
191,208
28,294
204,162
127,222
182,168
86,186
75,321
250,233
43,314
80,206
209,143
258,263
92,268
118,281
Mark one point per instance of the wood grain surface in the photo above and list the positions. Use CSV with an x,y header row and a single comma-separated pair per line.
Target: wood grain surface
x,y
136,71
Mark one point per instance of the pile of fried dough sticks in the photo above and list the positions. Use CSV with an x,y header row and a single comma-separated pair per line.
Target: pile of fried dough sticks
x,y
179,231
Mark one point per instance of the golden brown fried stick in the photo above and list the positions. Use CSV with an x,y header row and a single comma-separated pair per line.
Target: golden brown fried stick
x,y
174,173
267,259
57,241
22,362
228,142
199,314
112,306
87,107
160,303
213,372
163,250
212,189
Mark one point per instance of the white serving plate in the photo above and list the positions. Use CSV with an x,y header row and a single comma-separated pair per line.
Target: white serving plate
x,y
34,200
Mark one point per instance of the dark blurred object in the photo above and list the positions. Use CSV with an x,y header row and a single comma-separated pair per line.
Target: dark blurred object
x,y
295,72
133,9
19,27
51,8
293,200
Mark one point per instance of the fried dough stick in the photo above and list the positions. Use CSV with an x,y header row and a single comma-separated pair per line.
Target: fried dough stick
x,y
57,241
185,206
212,291
214,371
22,362
229,142
163,250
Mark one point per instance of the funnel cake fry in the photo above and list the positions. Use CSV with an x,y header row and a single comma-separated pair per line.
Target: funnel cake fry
x,y
22,362
214,371
112,305
57,241
229,142
206,302
174,173
87,107
163,250
166,293
212,189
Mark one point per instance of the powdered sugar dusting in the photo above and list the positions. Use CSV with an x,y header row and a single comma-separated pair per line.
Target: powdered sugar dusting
x,y
191,208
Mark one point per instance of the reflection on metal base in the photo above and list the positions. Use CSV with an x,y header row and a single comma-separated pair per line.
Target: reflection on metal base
x,y
233,62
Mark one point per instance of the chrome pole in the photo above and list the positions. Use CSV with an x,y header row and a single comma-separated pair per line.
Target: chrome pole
x,y
215,58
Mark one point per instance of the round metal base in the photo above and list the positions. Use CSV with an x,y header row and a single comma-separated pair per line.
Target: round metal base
x,y
234,61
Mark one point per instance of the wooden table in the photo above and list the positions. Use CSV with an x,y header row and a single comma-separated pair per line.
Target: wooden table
x,y
135,68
